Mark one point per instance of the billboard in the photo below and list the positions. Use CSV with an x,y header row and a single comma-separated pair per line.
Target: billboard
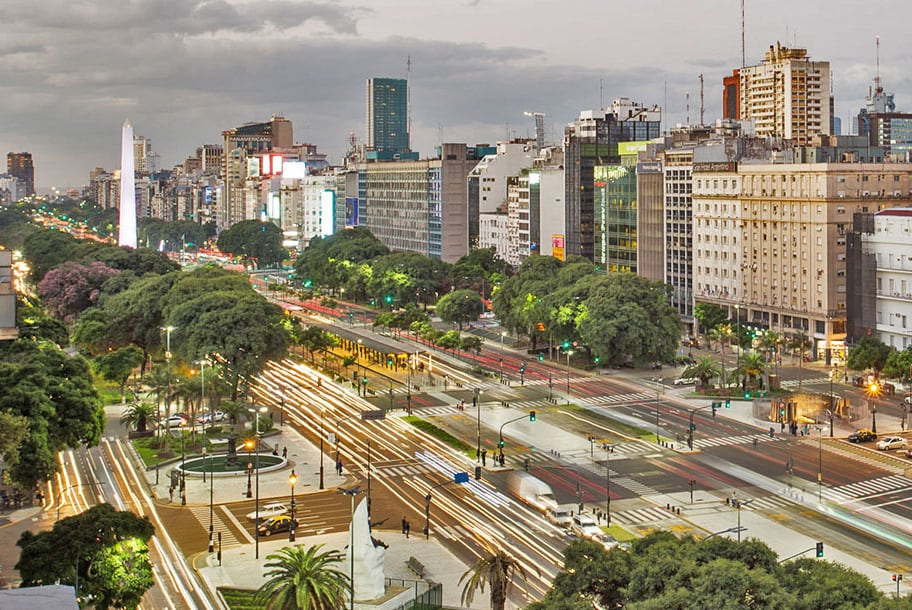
x,y
631,148
351,211
327,212
557,246
271,164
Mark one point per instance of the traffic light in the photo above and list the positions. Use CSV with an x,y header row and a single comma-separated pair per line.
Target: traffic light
x,y
747,395
715,406
307,283
531,415
388,298
500,443
565,344
782,412
389,361
897,578
541,357
693,427
597,359
728,403
526,464
820,549
364,380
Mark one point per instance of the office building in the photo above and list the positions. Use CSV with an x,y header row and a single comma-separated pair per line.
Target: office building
x,y
590,141
883,126
20,166
387,119
487,182
786,96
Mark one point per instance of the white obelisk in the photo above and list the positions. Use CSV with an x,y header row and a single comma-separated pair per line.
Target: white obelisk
x,y
127,236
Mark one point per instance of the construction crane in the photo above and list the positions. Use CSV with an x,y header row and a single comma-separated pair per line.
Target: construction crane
x,y
539,128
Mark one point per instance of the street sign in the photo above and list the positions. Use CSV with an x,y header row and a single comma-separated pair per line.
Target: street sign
x,y
461,477
331,437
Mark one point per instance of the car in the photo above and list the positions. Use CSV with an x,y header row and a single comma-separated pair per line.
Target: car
x,y
685,381
584,526
175,421
862,436
560,516
269,510
891,442
206,418
274,525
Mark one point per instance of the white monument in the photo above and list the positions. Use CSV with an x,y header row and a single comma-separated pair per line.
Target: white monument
x,y
127,235
367,565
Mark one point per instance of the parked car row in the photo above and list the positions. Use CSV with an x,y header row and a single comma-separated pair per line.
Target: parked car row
x,y
180,420
886,443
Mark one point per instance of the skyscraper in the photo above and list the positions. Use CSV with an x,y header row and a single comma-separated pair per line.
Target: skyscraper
x,y
387,118
20,166
127,234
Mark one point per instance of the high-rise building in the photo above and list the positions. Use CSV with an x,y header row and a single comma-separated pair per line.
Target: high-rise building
x,y
592,141
786,96
387,118
20,166
248,140
883,126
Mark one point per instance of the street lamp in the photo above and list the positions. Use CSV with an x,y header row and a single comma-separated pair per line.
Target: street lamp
x,y
608,451
322,410
659,390
569,353
248,445
502,333
832,402
256,520
819,463
168,330
211,491
873,392
292,479
477,406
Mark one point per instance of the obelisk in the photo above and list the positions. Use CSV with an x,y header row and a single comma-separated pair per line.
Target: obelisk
x,y
127,235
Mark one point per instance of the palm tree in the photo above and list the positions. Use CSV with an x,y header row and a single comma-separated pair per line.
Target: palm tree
x,y
704,370
305,579
162,382
497,570
752,365
139,415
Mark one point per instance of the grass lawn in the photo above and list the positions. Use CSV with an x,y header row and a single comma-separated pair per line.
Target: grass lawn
x,y
238,599
439,434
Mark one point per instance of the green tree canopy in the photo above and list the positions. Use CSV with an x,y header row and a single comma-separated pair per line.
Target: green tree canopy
x,y
106,549
460,307
868,353
259,243
709,315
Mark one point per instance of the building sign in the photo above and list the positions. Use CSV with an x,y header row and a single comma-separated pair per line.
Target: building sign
x,y
271,165
351,211
557,246
649,167
716,167
631,148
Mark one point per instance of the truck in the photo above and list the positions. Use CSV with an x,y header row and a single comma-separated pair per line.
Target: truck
x,y
531,490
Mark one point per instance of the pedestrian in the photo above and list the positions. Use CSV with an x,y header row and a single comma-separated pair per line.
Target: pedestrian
x,y
284,452
404,524
171,494
408,528
339,467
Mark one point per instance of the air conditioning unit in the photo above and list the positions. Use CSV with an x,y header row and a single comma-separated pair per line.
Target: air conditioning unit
x,y
865,194
897,194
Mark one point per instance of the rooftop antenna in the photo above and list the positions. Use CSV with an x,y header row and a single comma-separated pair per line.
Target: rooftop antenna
x,y
665,108
743,54
701,99
878,88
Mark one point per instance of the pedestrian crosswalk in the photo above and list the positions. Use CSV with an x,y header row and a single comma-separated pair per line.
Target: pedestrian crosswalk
x,y
768,503
632,485
640,516
218,525
794,383
720,441
607,399
867,489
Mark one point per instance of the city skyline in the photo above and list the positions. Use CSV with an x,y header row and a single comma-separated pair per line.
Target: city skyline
x,y
73,73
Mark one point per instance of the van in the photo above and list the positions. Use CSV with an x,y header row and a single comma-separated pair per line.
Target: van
x,y
531,490
584,526
560,516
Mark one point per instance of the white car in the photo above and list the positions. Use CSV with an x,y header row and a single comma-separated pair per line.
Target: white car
x,y
585,526
559,516
206,418
269,510
175,421
685,381
891,442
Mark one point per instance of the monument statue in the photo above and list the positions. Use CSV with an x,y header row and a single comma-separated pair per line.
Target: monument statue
x,y
365,557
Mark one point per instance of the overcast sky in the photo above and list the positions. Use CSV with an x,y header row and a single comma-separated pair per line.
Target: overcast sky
x,y
71,71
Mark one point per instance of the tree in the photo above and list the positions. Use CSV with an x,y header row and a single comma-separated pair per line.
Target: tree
x,y
105,549
116,366
704,369
709,315
460,307
497,571
71,288
899,364
628,316
260,243
139,415
591,575
307,579
819,585
868,353
316,340
13,431
752,364
53,391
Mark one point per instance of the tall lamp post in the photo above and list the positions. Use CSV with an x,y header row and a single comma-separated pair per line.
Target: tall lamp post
x,y
248,445
322,411
608,451
292,479
873,392
569,353
819,463
256,414
659,390
832,402
168,330
211,490
478,424
502,333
